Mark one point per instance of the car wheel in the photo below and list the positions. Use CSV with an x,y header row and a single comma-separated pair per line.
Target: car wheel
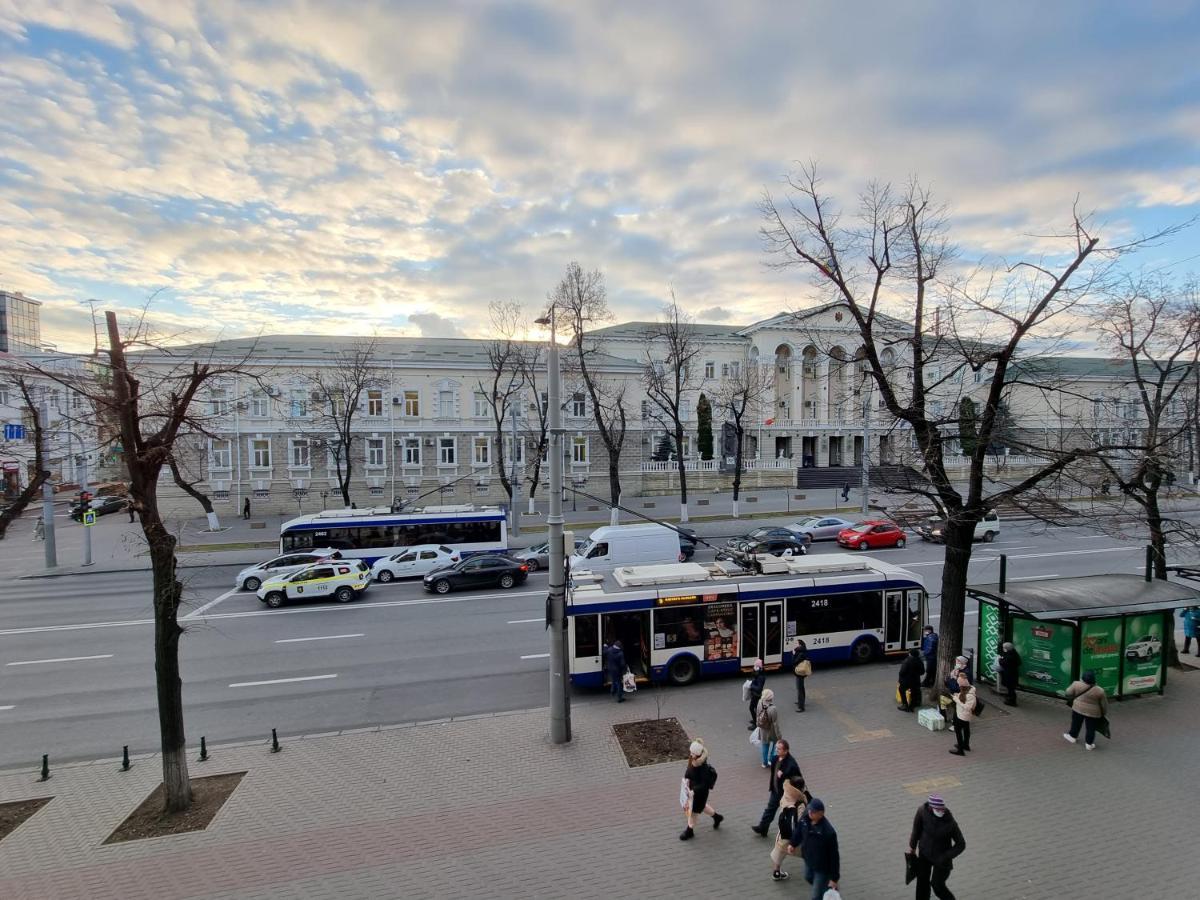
x,y
533,564
863,651
275,599
900,544
989,536
385,575
682,670
251,584
344,594
442,586
863,545
507,581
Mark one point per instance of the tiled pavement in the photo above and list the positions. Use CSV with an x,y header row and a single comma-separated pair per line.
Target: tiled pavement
x,y
485,807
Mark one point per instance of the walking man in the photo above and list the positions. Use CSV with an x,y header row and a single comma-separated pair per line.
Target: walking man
x,y
615,661
246,509
757,683
783,769
1191,628
818,844
929,645
1010,670
802,667
935,839
129,509
39,529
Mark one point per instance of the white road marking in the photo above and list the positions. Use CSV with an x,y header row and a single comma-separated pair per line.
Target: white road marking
x,y
196,613
1090,537
3,708
1035,577
40,629
282,680
61,659
1022,547
537,656
327,637
527,621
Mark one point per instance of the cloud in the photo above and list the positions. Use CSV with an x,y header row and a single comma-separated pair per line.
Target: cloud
x,y
434,325
714,314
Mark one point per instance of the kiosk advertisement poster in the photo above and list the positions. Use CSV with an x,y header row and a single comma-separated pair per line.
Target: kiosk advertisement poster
x,y
1100,649
989,640
1046,649
1143,653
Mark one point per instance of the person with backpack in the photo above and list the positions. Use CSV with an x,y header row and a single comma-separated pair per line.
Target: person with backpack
x,y
767,722
801,668
818,843
795,798
783,769
1089,704
935,841
757,683
909,686
698,780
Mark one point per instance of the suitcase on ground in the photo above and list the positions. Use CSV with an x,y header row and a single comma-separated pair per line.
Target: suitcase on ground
x,y
932,719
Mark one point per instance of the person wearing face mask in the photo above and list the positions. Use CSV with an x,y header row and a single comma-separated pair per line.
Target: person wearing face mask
x,y
936,840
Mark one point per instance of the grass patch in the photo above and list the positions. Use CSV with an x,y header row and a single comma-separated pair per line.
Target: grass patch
x,y
228,545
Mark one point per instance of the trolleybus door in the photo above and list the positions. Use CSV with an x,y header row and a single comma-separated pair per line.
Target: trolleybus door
x,y
894,620
751,616
762,632
916,616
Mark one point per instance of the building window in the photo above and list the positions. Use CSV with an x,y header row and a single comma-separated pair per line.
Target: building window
x,y
724,370
218,402
579,449
481,406
446,404
447,451
375,459
299,405
978,375
260,454
259,405
5,395
374,403
220,455
298,453
578,406
645,409
412,405
412,451
735,369
481,451
519,459
710,369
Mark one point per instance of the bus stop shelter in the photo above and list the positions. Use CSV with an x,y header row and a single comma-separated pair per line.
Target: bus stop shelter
x,y
1115,625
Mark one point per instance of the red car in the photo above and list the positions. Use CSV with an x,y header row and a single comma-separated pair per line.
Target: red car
x,y
872,535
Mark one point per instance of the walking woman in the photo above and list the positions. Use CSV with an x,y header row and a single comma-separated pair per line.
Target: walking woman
x,y
802,668
964,712
768,726
1089,704
698,781
795,798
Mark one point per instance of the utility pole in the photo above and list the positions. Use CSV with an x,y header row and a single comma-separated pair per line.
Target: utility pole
x,y
866,443
560,698
47,493
514,483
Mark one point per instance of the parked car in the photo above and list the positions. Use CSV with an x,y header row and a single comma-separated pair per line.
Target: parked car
x,y
538,556
775,546
872,535
484,570
417,560
340,579
821,528
1147,649
765,533
251,579
987,529
101,506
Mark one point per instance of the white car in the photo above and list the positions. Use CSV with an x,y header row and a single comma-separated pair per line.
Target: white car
x,y
414,562
1147,649
339,579
250,579
821,528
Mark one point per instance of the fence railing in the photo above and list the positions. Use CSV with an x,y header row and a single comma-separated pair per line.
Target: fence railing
x,y
667,466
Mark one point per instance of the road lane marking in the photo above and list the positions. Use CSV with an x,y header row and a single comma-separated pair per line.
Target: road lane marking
x,y
1035,577
537,656
209,605
61,659
326,637
1022,547
527,621
41,629
282,680
3,708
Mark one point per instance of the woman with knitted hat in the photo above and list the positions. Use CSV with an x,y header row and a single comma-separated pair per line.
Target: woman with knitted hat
x,y
936,840
698,780
768,726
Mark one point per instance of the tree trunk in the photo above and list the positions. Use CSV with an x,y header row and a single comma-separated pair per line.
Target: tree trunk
x,y
22,500
614,479
737,468
681,465
190,489
958,543
1158,554
344,481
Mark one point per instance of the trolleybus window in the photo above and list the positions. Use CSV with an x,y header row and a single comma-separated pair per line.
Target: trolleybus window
x,y
855,611
587,635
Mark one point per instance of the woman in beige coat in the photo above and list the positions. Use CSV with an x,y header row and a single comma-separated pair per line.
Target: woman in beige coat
x,y
964,712
768,726
1089,704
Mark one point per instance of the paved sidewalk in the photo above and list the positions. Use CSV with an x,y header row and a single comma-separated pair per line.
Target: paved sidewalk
x,y
485,807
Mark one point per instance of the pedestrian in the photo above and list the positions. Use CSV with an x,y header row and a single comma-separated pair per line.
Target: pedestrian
x,y
802,667
818,844
246,508
768,726
757,683
1010,671
795,798
962,666
929,645
783,769
698,780
935,840
129,509
39,529
909,685
1089,704
1191,628
615,662
964,712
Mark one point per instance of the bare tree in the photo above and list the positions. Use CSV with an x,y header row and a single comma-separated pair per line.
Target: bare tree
x,y
533,363
189,482
581,302
742,397
898,250
505,383
38,475
670,376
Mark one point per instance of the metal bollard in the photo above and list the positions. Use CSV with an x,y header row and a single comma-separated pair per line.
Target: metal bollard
x,y
274,741
203,749
125,764
45,767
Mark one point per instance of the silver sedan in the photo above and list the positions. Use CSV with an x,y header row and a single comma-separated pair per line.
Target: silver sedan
x,y
821,528
538,556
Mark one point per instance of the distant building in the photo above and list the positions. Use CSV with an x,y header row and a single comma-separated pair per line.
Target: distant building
x,y
20,323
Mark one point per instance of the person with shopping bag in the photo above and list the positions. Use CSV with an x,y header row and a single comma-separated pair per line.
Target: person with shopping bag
x,y
699,778
934,842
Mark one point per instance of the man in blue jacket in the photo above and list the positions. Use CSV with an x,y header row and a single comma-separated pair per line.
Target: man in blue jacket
x,y
929,642
614,658
818,842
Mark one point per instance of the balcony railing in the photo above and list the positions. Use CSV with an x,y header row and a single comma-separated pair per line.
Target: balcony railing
x,y
689,465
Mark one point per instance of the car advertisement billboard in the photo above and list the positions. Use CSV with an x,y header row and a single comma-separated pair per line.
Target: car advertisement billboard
x,y
1047,652
1100,649
1143,654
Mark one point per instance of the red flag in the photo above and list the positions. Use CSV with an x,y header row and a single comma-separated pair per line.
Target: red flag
x,y
769,422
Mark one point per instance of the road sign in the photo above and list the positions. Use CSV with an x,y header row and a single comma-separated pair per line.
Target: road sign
x,y
14,432
89,517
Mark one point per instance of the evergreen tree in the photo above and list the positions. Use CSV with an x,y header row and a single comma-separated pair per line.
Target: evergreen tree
x,y
968,426
665,448
704,432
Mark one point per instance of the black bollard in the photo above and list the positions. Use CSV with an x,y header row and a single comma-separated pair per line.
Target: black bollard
x,y
45,767
203,749
125,759
274,741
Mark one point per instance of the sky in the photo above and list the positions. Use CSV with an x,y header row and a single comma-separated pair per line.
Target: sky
x,y
283,166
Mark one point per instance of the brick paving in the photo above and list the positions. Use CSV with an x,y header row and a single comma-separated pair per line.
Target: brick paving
x,y
486,807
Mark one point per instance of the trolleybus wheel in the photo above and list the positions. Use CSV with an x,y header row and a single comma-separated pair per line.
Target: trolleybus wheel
x,y
862,651
682,670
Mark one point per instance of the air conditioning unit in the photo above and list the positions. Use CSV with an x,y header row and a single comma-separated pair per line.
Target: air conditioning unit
x,y
198,445
315,395
395,401
428,442
272,392
241,407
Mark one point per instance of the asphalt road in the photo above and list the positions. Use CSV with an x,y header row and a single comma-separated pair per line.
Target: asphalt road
x,y
76,653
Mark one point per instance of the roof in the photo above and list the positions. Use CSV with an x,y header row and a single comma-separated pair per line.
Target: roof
x,y
637,330
799,315
1088,367
1090,595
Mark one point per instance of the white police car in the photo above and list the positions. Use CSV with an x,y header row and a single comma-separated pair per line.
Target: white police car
x,y
339,579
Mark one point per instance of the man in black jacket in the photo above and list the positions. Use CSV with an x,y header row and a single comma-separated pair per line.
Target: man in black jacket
x,y
757,683
1010,670
936,839
910,674
783,770
818,842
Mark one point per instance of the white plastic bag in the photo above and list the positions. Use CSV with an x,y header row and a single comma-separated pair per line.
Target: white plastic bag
x,y
684,793
746,691
832,894
756,738
629,683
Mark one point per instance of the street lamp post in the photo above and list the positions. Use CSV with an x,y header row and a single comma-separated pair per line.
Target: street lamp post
x,y
560,698
514,491
84,489
50,548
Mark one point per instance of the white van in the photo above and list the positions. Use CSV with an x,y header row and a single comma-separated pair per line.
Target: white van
x,y
987,529
627,545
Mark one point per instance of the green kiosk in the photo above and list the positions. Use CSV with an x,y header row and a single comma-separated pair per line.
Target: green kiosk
x,y
1115,625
